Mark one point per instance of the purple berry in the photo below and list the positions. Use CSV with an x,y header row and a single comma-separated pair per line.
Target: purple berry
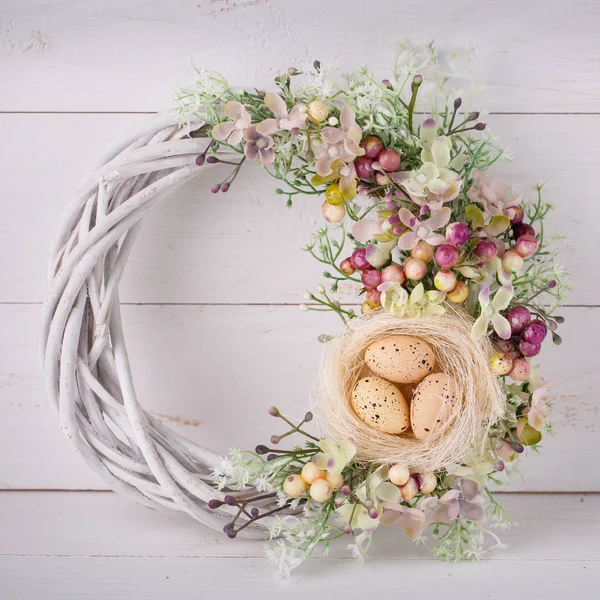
x,y
364,167
457,234
486,250
527,349
446,256
535,332
522,229
359,259
518,317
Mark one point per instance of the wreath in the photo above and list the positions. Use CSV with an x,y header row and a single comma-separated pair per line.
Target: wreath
x,y
428,397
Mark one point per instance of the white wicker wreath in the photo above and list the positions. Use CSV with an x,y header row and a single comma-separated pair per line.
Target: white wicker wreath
x,y
459,295
85,359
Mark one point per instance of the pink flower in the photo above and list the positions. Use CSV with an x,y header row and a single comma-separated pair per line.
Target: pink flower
x,y
538,411
258,145
232,130
492,195
366,229
283,121
413,520
423,230
460,500
339,143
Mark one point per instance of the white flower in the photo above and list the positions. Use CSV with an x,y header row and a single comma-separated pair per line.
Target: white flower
x,y
396,300
490,313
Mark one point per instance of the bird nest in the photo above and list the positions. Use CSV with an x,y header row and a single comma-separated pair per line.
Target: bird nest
x,y
457,354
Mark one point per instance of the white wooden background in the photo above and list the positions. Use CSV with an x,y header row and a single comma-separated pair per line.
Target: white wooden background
x,y
211,290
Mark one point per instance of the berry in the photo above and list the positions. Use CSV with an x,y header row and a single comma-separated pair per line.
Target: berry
x,y
372,145
518,216
444,281
389,160
527,349
415,269
346,267
459,294
423,251
535,332
446,256
512,261
520,370
522,229
527,245
518,317
333,214
373,298
398,474
333,194
364,167
318,110
457,234
486,250
501,364
371,278
393,273
359,259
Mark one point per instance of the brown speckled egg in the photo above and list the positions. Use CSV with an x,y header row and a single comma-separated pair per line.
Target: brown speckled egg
x,y
380,404
432,403
400,358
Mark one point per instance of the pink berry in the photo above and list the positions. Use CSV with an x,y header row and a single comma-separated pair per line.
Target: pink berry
x,y
371,278
518,317
521,229
485,250
505,345
527,245
520,369
389,160
518,216
372,145
512,261
364,167
457,234
359,259
393,273
535,332
346,266
446,256
374,298
527,349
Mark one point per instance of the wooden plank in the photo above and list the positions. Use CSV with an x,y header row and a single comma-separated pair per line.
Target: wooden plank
x,y
115,56
212,371
202,579
552,527
245,246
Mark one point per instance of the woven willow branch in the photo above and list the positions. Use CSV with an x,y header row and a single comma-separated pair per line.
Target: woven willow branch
x,y
87,371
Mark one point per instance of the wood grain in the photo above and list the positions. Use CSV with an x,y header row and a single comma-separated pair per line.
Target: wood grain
x,y
52,548
115,56
245,246
218,368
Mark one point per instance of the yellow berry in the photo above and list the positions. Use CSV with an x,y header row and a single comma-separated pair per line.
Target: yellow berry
x,y
310,472
501,364
318,110
334,195
410,489
423,251
398,474
321,490
444,281
366,308
336,480
294,486
459,294
428,483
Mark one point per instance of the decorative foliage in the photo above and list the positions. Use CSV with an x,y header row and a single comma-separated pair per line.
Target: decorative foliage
x,y
427,229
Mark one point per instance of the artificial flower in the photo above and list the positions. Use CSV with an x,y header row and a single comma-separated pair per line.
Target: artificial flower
x,y
538,411
366,229
413,520
379,254
233,130
258,145
460,500
396,300
339,143
492,195
422,230
345,173
490,313
334,457
433,183
284,121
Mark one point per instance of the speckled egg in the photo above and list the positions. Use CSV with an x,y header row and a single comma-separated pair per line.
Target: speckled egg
x,y
380,404
400,358
432,403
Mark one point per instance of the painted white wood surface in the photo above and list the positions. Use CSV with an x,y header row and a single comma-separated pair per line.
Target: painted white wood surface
x,y
211,334
53,549
218,368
